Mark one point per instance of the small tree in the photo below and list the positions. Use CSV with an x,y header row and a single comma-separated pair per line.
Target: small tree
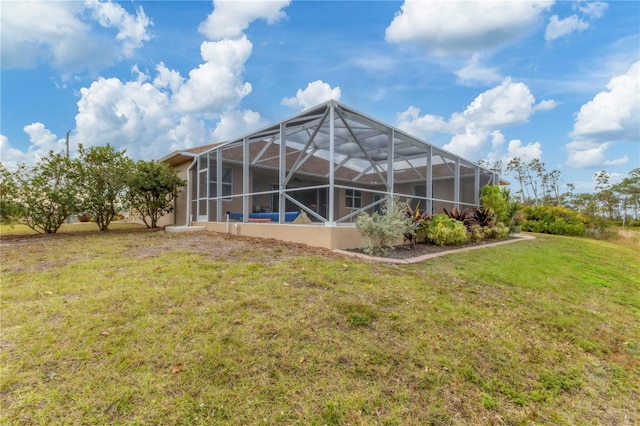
x,y
43,195
383,229
152,188
103,175
10,209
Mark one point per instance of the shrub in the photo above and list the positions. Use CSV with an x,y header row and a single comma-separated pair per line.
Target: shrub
x,y
475,232
500,201
84,217
499,230
443,231
554,220
382,230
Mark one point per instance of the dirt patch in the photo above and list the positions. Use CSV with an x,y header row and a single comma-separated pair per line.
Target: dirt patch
x,y
217,246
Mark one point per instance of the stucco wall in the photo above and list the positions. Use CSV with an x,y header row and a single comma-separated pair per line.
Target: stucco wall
x,y
312,235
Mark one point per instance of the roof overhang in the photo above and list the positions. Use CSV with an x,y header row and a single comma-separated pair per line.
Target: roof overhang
x,y
178,157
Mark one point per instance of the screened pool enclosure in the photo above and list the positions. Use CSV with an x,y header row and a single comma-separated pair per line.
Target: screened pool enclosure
x,y
330,162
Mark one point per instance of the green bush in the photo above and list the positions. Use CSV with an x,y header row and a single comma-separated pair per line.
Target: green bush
x,y
499,230
382,230
475,232
554,220
444,231
496,199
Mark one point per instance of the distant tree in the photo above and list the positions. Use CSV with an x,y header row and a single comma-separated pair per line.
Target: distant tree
x,y
103,180
517,165
10,209
152,188
627,194
605,196
495,167
43,195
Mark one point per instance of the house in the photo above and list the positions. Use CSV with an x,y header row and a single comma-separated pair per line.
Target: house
x,y
326,164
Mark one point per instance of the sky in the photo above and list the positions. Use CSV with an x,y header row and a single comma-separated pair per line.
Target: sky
x,y
487,80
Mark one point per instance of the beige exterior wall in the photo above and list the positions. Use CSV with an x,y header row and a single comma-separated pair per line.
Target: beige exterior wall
x,y
179,215
313,235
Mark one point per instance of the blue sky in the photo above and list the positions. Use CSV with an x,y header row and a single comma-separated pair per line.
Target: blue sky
x,y
490,80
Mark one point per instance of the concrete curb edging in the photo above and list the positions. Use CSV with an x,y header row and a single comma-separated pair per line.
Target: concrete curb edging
x,y
424,257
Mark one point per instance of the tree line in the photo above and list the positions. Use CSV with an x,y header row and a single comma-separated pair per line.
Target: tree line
x,y
537,186
101,182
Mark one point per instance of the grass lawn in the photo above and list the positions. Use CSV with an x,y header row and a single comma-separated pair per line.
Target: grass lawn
x,y
66,228
155,328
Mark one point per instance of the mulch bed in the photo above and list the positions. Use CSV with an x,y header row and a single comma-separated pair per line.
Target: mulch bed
x,y
407,251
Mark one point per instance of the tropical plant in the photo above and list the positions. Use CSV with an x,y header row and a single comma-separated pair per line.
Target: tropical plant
x,y
463,215
419,223
484,216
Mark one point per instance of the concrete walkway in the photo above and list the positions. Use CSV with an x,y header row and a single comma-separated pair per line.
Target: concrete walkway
x,y
418,259
183,228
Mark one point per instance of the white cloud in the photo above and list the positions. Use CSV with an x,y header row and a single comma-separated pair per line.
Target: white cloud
x,y
236,123
132,31
589,155
545,105
125,114
217,83
611,116
460,27
497,139
614,113
11,156
505,105
474,72
315,93
411,122
42,142
477,128
470,142
590,11
229,19
150,116
188,131
61,34
515,148
593,9
529,151
560,27
167,78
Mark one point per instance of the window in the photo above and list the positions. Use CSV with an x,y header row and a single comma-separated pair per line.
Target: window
x,y
354,199
227,182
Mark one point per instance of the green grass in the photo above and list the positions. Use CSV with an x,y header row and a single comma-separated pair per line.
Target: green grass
x,y
21,229
122,328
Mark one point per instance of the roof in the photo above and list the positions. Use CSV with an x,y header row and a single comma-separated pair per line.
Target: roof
x,y
179,157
